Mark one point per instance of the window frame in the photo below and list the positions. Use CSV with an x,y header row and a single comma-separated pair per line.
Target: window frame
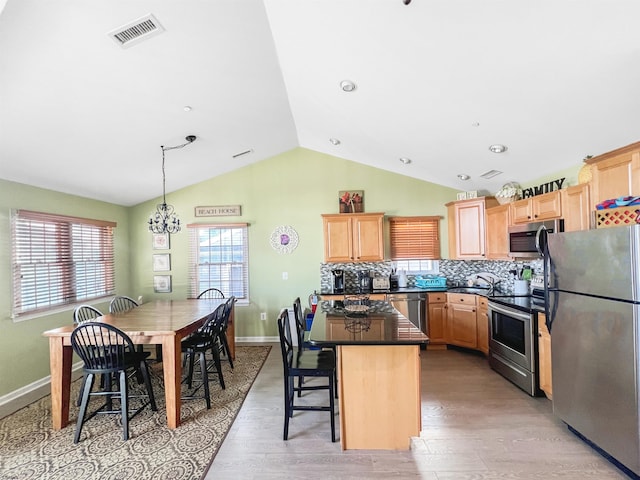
x,y
58,261
195,282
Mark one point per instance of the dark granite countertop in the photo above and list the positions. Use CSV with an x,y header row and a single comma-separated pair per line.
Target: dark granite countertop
x,y
381,325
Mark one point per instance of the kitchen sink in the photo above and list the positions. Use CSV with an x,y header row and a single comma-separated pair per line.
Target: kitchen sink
x,y
475,290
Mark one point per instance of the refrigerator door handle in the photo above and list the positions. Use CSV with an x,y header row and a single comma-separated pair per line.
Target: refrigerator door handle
x,y
541,240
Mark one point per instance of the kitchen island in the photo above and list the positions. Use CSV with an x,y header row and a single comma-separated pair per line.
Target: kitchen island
x,y
378,373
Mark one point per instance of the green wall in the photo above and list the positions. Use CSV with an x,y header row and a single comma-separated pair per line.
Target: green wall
x,y
24,352
294,189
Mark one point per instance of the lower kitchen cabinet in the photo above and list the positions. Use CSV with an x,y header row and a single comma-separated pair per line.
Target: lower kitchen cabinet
x,y
436,317
544,356
482,327
462,323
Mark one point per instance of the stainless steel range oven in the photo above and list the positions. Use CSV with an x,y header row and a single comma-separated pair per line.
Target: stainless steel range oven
x,y
513,341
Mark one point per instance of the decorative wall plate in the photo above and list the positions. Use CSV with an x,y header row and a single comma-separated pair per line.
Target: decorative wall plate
x,y
284,239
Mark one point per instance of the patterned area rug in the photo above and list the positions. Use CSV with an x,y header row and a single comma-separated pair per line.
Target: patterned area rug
x,y
30,449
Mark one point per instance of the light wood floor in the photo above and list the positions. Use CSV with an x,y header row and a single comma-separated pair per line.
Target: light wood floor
x,y
476,426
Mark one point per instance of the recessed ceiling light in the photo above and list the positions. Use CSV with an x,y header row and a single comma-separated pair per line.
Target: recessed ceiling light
x,y
475,124
497,148
187,108
405,160
334,141
347,85
463,176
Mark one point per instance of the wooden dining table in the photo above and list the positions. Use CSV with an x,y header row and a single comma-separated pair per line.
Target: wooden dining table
x,y
160,322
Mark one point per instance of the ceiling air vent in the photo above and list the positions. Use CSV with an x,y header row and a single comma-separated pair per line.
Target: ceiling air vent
x,y
491,174
136,31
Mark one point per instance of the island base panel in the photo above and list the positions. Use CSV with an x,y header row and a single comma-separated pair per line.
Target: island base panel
x,y
379,396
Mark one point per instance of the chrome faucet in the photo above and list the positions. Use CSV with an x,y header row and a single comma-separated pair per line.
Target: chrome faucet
x,y
491,281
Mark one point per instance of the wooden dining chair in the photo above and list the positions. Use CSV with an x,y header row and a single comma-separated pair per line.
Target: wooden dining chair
x,y
108,351
120,304
211,294
304,363
222,330
303,340
202,341
83,313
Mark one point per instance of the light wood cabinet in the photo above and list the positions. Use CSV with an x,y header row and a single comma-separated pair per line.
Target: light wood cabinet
x,y
353,237
576,206
537,209
436,317
544,357
466,222
615,174
482,327
497,222
461,329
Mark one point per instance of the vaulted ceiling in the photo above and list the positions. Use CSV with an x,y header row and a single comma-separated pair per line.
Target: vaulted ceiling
x,y
437,82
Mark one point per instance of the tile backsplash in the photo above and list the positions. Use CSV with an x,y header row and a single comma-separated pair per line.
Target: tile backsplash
x,y
455,271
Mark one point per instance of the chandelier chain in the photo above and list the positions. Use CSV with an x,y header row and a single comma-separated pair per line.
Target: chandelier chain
x,y
164,219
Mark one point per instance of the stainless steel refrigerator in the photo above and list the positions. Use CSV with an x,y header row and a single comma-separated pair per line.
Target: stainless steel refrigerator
x,y
593,312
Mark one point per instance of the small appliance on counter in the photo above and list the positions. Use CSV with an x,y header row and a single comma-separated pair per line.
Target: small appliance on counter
x,y
364,281
393,282
380,283
338,280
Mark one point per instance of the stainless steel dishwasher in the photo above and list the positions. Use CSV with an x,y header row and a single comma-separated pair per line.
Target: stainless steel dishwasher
x,y
412,305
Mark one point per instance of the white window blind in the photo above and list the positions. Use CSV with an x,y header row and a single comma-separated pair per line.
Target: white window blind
x,y
219,258
59,260
415,238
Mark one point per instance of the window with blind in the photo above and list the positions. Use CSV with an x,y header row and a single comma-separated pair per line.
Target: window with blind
x,y
415,243
59,260
219,258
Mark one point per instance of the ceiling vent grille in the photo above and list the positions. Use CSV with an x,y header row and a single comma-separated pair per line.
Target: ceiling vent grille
x,y
491,174
136,31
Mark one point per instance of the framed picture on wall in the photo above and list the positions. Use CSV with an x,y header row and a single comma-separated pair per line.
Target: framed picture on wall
x,y
162,283
351,201
161,262
161,241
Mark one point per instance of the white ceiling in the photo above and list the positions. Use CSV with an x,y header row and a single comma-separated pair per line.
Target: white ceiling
x,y
438,81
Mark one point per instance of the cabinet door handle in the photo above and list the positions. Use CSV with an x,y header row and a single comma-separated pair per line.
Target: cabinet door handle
x,y
473,310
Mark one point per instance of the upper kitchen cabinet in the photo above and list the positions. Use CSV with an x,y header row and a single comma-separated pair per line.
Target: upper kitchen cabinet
x,y
467,228
353,237
615,174
497,219
537,209
576,206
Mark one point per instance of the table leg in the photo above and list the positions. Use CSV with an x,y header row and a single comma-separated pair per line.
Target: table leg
x,y
231,334
172,367
60,356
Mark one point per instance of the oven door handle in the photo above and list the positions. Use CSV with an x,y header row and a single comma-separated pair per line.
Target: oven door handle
x,y
508,311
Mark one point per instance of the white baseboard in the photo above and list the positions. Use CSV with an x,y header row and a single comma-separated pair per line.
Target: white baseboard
x,y
20,398
257,340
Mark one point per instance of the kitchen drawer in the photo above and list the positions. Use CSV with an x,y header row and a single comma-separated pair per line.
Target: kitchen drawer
x,y
482,302
462,298
436,297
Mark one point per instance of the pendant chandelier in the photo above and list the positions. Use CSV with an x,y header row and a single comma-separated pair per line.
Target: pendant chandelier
x,y
164,219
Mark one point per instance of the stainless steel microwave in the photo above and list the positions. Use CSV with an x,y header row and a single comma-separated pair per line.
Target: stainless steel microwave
x,y
529,240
